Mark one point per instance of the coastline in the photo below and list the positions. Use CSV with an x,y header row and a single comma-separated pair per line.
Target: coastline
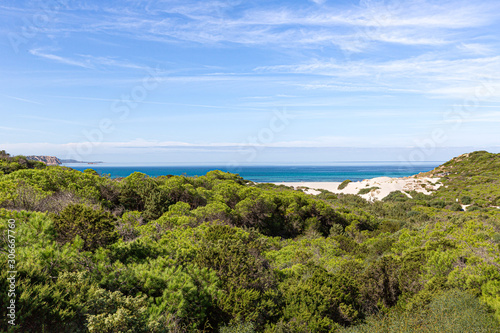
x,y
268,173
382,186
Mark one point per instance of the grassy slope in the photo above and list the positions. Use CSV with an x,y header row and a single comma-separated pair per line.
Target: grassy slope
x,y
475,175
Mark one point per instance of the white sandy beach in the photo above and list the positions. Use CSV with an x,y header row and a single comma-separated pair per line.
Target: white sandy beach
x,y
385,186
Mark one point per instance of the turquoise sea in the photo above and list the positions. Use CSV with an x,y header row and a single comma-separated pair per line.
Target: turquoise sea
x,y
354,171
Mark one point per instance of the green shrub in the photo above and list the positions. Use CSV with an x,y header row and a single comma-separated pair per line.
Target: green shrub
x,y
344,184
112,312
349,245
367,190
491,296
466,200
95,227
380,284
188,293
438,203
238,328
336,230
456,207
453,311
127,226
318,301
48,304
496,238
235,256
396,196
474,208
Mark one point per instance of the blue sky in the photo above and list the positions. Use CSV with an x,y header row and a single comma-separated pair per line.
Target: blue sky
x,y
248,82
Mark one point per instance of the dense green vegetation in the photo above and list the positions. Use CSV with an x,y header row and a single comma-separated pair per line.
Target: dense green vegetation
x,y
472,178
367,190
10,164
217,253
344,184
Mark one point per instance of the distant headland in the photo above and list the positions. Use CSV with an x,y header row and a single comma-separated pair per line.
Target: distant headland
x,y
52,160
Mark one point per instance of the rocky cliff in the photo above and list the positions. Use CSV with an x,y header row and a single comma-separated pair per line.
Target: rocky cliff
x,y
49,160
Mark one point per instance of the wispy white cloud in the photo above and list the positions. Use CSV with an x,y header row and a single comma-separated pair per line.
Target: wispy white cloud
x,y
112,62
410,22
21,99
89,61
59,59
476,48
472,67
410,13
422,74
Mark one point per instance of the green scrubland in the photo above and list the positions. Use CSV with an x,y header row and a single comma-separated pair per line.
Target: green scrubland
x,y
218,253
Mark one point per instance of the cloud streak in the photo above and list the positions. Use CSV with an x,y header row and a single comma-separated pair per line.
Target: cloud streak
x,y
22,99
88,61
59,59
422,74
408,22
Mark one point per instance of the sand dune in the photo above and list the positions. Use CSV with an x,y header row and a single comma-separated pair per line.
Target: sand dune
x,y
385,186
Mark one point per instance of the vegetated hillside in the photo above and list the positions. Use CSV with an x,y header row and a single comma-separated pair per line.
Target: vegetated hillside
x,y
472,178
218,253
10,164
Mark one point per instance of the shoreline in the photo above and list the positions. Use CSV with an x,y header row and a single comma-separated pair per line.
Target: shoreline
x,y
380,186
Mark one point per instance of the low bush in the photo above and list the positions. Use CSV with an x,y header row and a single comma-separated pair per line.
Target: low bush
x,y
456,207
95,227
453,311
367,190
344,184
466,200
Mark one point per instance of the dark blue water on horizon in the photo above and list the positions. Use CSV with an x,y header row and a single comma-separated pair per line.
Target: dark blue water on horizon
x,y
355,171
